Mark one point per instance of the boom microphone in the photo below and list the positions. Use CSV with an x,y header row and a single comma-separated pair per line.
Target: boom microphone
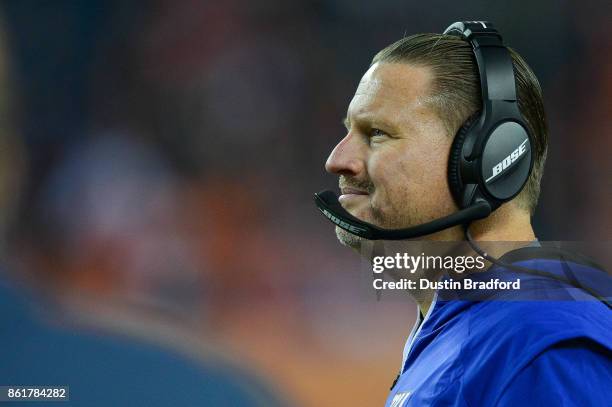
x,y
328,204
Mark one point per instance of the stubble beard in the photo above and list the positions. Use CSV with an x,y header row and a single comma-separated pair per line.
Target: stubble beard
x,y
348,239
398,215
399,218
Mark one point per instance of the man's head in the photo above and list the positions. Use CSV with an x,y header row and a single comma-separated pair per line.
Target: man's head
x,y
401,124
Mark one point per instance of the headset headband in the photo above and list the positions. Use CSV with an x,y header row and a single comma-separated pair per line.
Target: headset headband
x,y
491,157
492,57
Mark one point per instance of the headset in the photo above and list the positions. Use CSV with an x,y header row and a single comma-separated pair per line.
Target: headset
x,y
490,159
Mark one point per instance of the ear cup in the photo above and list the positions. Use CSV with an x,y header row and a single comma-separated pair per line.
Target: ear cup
x,y
506,161
455,182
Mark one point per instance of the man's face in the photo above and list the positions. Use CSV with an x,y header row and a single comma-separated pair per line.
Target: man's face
x,y
393,161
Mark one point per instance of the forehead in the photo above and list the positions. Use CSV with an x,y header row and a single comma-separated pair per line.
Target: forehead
x,y
392,92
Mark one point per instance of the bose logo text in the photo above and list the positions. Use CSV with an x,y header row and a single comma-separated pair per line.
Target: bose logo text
x,y
506,162
341,223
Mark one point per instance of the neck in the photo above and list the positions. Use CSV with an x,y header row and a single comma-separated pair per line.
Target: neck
x,y
506,224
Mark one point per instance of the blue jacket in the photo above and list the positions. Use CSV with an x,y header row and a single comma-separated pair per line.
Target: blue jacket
x,y
553,348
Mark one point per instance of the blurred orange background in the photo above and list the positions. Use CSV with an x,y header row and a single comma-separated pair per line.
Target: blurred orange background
x,y
159,163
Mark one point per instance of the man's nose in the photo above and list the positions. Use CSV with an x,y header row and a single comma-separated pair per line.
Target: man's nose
x,y
346,158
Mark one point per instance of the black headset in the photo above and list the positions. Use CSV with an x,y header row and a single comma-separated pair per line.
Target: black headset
x,y
490,160
491,156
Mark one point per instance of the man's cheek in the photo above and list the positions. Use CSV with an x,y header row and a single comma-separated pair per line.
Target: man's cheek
x,y
379,203
361,209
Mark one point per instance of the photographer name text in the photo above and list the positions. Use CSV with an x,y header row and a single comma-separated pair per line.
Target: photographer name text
x,y
450,284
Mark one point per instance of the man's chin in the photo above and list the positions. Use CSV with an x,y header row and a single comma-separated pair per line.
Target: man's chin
x,y
348,239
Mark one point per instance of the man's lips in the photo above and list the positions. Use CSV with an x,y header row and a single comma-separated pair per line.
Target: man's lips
x,y
349,193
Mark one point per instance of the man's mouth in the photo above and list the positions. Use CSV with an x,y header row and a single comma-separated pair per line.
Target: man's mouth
x,y
350,193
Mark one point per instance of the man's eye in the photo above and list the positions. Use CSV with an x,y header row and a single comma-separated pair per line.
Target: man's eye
x,y
377,133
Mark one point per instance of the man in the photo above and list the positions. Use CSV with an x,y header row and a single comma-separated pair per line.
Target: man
x,y
393,166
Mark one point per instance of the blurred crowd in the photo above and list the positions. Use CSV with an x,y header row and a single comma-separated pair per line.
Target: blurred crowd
x,y
159,159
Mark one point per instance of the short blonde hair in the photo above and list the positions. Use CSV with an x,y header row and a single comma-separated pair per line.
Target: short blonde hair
x,y
455,93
